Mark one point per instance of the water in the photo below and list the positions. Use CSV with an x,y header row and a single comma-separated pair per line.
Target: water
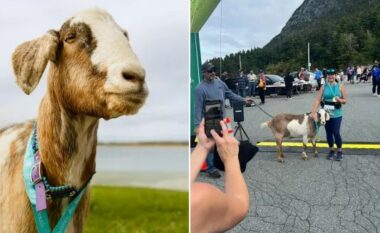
x,y
143,166
142,158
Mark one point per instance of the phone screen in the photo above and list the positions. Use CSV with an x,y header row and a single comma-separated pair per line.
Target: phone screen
x,y
213,115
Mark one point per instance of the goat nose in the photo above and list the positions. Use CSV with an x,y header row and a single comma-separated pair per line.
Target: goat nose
x,y
133,76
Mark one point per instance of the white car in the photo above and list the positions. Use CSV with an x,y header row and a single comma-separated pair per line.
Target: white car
x,y
276,85
309,79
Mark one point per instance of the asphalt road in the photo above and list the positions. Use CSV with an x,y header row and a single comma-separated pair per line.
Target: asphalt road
x,y
316,195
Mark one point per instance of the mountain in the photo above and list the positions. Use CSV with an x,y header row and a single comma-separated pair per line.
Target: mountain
x,y
340,33
312,11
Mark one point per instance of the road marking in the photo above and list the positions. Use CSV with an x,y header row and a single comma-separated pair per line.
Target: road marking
x,y
323,145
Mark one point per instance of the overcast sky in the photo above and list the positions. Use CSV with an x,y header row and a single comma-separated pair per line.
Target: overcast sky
x,y
158,32
244,24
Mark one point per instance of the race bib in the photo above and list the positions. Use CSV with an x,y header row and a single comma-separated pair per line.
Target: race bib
x,y
329,108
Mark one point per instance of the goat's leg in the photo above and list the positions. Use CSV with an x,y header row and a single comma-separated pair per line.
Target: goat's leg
x,y
280,154
305,140
314,143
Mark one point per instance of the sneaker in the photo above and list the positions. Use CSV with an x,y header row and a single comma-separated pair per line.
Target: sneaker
x,y
374,94
214,174
339,156
330,155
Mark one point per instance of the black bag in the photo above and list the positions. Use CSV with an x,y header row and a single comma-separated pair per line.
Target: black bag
x,y
246,152
335,104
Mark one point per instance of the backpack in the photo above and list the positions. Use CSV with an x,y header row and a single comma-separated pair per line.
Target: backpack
x,y
246,152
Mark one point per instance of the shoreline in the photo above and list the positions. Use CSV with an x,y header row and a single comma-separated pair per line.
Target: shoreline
x,y
147,179
143,144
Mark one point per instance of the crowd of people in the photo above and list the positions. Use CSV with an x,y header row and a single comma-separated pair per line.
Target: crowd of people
x,y
246,85
251,84
360,73
355,75
243,85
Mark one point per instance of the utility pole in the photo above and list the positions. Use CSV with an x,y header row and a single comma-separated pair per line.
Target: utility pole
x,y
308,56
240,61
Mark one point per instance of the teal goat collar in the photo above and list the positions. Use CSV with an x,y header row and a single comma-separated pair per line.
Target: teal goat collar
x,y
40,210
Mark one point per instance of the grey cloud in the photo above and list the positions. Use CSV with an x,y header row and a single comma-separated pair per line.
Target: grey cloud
x,y
245,24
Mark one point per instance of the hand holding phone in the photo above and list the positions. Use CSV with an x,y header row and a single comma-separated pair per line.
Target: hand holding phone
x,y
213,114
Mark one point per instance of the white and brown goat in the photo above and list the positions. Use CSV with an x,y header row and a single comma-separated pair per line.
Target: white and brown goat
x,y
93,74
293,126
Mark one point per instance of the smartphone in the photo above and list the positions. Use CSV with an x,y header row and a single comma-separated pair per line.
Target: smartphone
x,y
213,114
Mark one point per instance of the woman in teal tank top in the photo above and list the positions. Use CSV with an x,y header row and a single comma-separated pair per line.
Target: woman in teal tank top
x,y
331,97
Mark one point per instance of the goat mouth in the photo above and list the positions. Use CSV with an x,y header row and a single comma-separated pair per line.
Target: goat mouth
x,y
123,104
141,92
134,98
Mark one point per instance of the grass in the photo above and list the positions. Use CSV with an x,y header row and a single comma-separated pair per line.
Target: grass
x,y
137,210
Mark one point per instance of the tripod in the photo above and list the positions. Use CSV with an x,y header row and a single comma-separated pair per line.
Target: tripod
x,y
239,128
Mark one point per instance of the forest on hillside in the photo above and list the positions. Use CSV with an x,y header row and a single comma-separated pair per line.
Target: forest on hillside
x,y
350,39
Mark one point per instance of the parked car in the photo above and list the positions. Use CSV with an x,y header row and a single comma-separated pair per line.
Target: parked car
x,y
276,85
273,79
312,81
308,84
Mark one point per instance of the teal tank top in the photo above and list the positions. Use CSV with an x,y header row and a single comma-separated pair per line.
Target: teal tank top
x,y
329,92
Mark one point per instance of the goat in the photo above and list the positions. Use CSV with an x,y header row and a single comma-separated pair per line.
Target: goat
x,y
93,74
288,125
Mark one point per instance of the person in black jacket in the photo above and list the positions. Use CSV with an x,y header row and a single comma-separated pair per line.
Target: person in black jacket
x,y
288,84
231,84
242,81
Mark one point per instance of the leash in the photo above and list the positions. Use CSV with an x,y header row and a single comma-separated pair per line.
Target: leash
x,y
262,109
38,190
317,125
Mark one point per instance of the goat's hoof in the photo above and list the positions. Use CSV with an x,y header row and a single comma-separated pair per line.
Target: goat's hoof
x,y
304,158
315,155
280,160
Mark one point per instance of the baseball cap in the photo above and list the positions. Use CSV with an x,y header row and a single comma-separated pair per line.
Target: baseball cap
x,y
331,71
208,67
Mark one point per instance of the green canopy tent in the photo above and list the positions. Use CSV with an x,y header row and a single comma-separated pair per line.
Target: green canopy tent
x,y
200,12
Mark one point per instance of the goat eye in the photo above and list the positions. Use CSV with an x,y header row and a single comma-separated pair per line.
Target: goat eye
x,y
126,35
70,38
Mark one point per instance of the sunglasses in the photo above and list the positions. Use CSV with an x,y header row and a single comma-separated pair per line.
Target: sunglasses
x,y
210,70
330,71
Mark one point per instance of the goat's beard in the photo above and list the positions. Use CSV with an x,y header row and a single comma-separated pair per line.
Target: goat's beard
x,y
119,105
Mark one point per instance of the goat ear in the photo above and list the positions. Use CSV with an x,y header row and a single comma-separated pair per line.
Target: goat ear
x,y
31,57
